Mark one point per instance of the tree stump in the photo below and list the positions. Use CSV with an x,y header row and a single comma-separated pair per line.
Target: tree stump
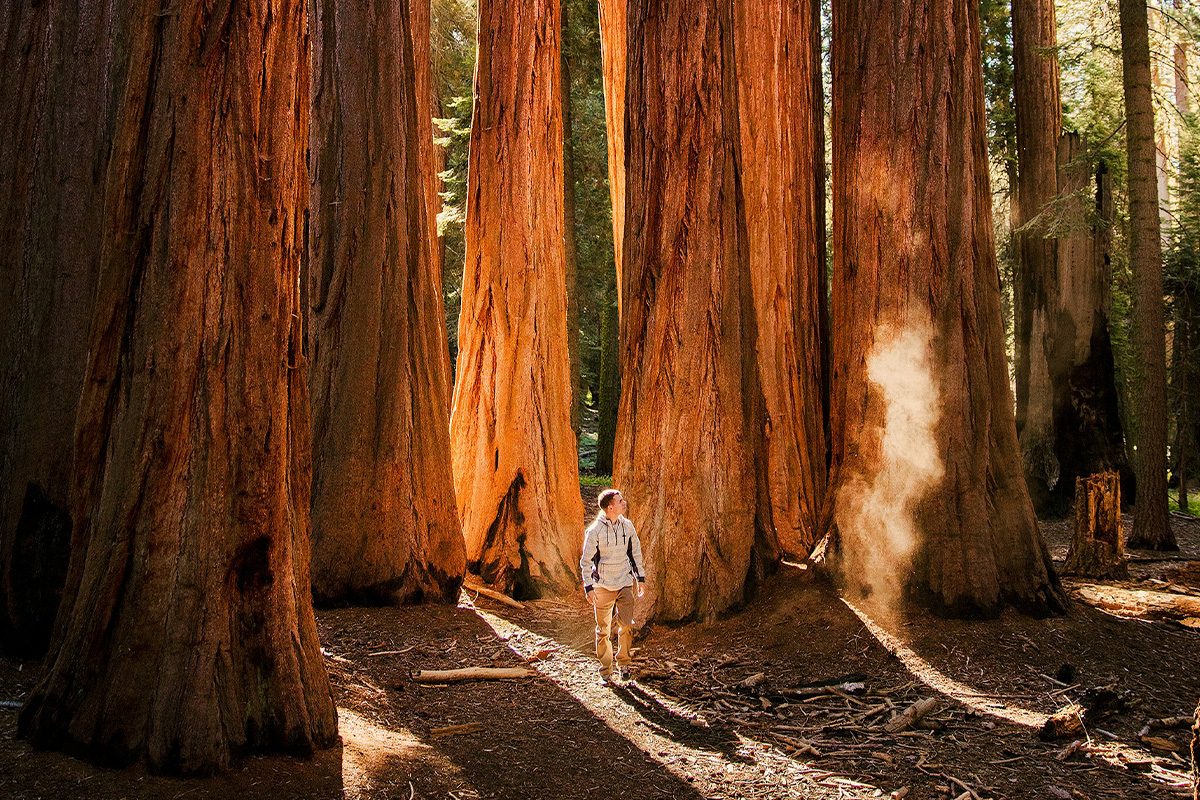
x,y
1096,547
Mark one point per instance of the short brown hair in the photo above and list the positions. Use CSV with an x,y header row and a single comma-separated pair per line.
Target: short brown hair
x,y
606,497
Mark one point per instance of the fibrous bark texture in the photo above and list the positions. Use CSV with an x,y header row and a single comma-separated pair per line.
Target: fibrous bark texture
x,y
1096,547
690,419
783,186
930,493
570,248
384,522
1151,523
189,636
613,34
1068,422
51,182
515,464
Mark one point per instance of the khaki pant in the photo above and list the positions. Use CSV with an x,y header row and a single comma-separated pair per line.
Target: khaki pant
x,y
605,602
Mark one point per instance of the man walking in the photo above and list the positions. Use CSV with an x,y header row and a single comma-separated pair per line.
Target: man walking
x,y
611,566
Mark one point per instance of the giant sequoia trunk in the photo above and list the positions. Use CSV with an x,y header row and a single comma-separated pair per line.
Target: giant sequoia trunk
x,y
188,636
384,524
515,465
613,34
690,420
1151,524
783,186
1067,418
930,492
51,176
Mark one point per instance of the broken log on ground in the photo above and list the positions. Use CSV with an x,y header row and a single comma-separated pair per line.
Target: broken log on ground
x,y
499,597
911,715
451,730
472,674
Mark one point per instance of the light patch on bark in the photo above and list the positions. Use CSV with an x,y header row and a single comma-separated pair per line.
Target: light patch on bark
x,y
876,509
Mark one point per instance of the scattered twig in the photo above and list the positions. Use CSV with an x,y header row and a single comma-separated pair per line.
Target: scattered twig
x,y
451,730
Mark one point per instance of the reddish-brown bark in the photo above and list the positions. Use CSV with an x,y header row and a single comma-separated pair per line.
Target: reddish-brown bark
x,y
690,422
51,179
188,637
515,464
1151,523
783,186
384,523
922,419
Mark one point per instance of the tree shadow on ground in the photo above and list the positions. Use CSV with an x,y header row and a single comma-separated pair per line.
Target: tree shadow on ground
x,y
529,738
678,727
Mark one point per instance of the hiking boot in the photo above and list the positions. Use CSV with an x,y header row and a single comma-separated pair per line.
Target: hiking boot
x,y
626,674
605,681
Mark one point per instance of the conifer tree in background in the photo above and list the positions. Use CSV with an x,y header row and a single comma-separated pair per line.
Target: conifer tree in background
x,y
52,158
1151,523
1068,421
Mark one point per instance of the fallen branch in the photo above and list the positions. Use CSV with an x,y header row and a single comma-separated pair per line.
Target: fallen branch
x,y
472,674
911,715
450,730
493,594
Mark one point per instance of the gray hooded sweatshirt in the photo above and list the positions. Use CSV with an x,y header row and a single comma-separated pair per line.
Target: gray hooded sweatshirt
x,y
612,554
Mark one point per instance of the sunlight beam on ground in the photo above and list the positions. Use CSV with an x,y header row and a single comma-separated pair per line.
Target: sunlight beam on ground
x,y
368,747
939,681
713,774
1116,753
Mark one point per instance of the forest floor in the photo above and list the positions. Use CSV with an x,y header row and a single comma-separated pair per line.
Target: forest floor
x,y
830,675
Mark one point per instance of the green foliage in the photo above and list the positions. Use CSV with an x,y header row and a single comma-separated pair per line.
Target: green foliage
x,y
605,480
995,22
1181,259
